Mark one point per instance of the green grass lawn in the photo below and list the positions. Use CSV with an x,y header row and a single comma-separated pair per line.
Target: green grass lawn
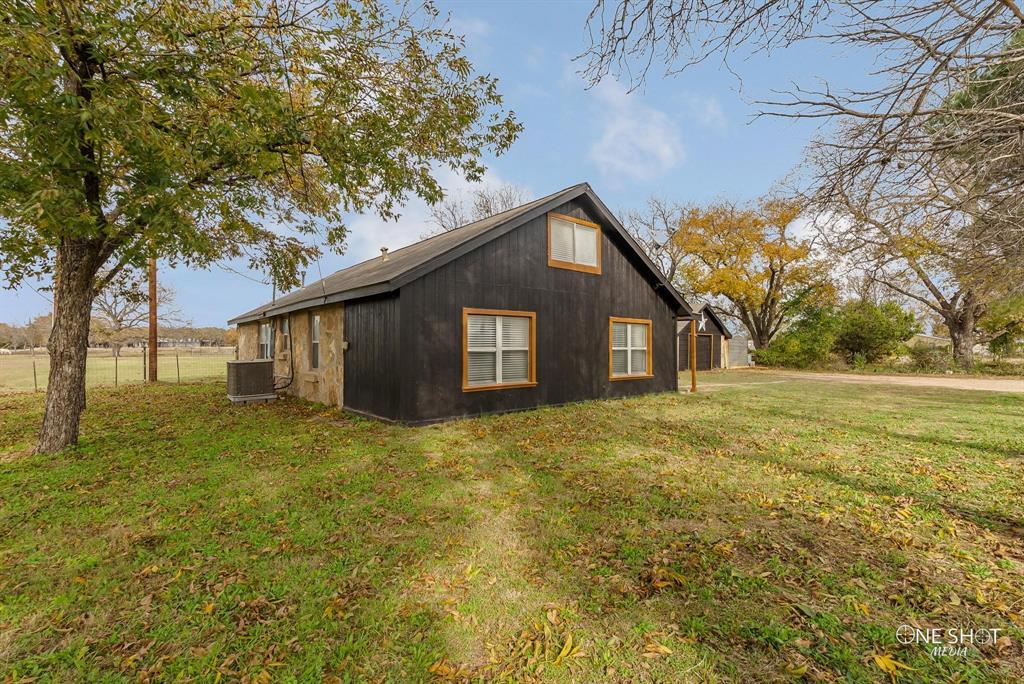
x,y
101,368
772,531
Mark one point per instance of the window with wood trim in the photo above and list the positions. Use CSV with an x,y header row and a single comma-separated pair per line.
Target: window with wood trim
x,y
498,349
629,348
266,341
574,244
314,340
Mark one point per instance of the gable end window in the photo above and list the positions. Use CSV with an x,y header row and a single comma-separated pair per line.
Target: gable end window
x,y
498,349
574,244
314,340
629,348
266,341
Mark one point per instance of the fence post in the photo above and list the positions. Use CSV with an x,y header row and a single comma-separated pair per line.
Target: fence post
x,y
35,382
177,364
115,369
145,353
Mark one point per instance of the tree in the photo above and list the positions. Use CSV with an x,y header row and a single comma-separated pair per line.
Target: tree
x,y
37,331
121,309
911,230
187,129
870,332
948,80
750,260
806,342
483,202
1005,325
654,228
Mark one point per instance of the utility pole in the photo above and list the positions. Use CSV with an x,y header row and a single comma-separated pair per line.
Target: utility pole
x,y
152,319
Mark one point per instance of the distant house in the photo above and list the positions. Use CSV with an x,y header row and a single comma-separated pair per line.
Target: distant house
x,y
712,340
934,341
547,303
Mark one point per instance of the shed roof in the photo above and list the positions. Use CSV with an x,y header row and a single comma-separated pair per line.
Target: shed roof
x,y
378,275
706,309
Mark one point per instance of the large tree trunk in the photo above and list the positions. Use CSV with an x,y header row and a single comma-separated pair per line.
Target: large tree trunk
x,y
961,322
73,294
961,334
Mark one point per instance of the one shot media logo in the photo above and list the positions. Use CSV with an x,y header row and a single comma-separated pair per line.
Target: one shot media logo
x,y
947,642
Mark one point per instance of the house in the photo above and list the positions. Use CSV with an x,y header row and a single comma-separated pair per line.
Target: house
x,y
932,341
547,303
712,340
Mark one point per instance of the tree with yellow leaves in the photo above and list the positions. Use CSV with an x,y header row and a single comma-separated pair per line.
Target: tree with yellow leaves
x,y
750,262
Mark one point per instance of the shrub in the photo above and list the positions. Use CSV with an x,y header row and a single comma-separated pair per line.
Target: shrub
x,y
930,358
868,333
806,343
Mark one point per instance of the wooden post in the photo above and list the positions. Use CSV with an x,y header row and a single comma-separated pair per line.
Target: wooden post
x,y
144,354
35,381
152,319
177,364
693,356
115,370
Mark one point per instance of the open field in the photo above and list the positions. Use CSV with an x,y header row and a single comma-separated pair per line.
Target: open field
x,y
765,531
204,363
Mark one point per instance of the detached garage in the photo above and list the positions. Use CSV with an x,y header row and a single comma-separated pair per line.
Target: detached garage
x,y
712,340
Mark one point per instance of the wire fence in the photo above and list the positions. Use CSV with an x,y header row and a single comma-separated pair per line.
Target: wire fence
x,y
27,370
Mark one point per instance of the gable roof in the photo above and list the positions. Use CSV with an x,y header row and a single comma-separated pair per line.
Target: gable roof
x,y
704,308
379,276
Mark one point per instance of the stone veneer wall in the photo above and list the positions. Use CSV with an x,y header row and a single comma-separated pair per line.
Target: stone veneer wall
x,y
324,384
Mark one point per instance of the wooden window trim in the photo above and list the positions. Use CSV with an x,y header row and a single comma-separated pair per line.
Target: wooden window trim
x,y
569,265
532,382
612,320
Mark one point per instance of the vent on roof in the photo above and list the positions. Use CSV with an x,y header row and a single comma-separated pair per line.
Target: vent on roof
x,y
251,381
383,253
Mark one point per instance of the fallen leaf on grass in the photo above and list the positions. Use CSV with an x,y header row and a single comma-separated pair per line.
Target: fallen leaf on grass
x,y
889,665
652,649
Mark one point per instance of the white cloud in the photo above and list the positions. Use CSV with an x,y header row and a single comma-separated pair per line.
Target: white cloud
x,y
368,232
471,28
637,142
707,111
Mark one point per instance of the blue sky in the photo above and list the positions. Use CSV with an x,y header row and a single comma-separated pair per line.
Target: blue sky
x,y
688,138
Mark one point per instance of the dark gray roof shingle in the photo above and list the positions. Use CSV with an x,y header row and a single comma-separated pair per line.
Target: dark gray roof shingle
x,y
377,275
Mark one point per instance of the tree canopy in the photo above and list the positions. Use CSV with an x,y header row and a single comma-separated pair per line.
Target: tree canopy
x,y
198,130
751,260
194,128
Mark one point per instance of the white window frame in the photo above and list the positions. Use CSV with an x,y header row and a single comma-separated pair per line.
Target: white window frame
x,y
498,348
630,323
314,340
579,225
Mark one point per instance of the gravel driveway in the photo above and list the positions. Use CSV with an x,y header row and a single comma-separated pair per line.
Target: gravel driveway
x,y
965,382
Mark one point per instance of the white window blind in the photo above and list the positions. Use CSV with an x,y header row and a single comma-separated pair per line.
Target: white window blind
x,y
497,349
573,243
562,240
629,348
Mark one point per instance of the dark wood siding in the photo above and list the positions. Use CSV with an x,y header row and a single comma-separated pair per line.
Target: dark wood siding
x,y
372,330
709,346
572,310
